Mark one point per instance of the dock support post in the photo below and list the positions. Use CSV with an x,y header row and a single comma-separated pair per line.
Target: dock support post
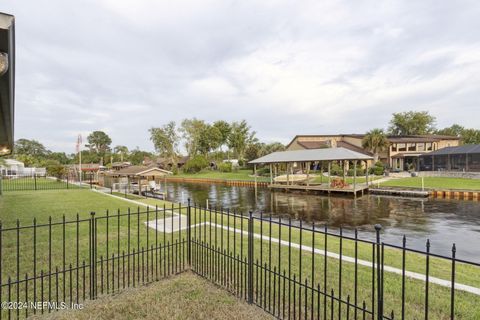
x,y
366,172
308,174
329,176
288,173
355,177
271,174
255,174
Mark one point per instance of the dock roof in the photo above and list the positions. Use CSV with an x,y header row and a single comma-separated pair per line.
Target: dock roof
x,y
327,154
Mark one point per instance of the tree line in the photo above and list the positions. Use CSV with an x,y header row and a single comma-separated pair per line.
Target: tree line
x,y
220,140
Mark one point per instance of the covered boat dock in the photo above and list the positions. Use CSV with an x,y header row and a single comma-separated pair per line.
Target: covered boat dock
x,y
304,160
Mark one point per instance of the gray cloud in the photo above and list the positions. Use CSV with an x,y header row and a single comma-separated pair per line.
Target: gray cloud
x,y
287,67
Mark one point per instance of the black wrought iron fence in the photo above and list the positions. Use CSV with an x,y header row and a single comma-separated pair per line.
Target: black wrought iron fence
x,y
288,268
40,182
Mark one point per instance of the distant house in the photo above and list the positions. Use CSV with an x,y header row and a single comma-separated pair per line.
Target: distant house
x,y
165,163
402,154
120,165
14,168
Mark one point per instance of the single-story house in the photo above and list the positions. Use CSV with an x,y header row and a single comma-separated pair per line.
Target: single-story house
x,y
14,168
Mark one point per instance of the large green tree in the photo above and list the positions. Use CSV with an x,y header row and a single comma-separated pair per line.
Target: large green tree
x,y
240,137
191,130
225,129
467,136
30,147
99,142
455,130
210,139
412,123
137,156
165,140
375,141
471,136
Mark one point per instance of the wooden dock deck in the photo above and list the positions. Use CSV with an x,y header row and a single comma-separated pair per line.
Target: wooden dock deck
x,y
325,188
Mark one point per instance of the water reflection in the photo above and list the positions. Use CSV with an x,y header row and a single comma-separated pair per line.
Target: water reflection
x,y
443,221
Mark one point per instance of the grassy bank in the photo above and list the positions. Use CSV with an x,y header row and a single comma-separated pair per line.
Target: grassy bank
x,y
434,183
26,205
185,296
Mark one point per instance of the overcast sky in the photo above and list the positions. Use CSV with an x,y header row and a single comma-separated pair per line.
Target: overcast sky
x,y
287,67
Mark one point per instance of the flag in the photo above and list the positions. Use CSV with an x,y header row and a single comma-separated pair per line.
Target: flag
x,y
79,143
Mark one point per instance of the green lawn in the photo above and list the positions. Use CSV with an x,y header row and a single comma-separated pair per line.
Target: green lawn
x,y
185,296
242,174
434,183
41,204
39,183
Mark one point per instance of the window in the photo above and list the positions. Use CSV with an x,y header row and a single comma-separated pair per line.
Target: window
x,y
420,146
394,147
412,147
428,146
402,147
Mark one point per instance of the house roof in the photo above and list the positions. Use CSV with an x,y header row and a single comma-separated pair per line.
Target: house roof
x,y
353,147
328,154
313,144
7,83
391,138
465,149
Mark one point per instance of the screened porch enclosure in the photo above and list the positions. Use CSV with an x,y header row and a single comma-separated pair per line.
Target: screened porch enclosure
x,y
464,158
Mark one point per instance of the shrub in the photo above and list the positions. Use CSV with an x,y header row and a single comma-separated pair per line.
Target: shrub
x,y
378,169
175,170
55,169
360,172
336,169
225,167
263,172
196,164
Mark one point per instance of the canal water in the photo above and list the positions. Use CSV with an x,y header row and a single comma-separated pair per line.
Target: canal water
x,y
442,221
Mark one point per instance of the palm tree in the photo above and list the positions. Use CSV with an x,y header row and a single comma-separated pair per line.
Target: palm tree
x,y
375,141
122,150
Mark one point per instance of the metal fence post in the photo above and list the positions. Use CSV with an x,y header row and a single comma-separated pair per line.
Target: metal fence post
x,y
92,255
1,186
35,180
250,257
379,264
189,234
67,182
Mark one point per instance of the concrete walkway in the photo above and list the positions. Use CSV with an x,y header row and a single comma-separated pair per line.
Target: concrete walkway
x,y
365,263
181,224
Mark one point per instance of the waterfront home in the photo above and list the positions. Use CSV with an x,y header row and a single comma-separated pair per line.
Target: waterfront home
x,y
402,154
